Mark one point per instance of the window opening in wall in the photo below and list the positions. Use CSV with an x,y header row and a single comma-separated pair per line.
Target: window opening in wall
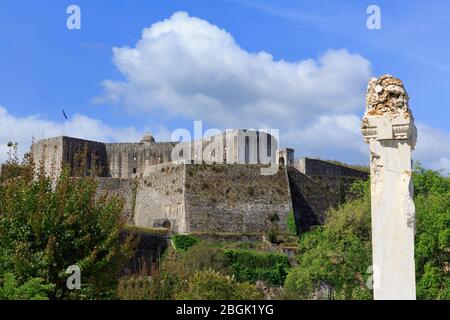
x,y
166,224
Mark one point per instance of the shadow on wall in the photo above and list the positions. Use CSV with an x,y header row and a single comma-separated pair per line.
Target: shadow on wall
x,y
304,214
312,196
150,248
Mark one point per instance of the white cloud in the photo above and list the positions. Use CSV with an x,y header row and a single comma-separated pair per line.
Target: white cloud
x,y
330,137
185,66
189,67
433,148
21,130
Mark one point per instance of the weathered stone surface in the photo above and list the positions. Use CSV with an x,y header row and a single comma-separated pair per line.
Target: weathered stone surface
x,y
388,127
233,199
312,196
316,167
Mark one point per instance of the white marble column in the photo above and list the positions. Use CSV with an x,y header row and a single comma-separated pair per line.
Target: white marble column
x,y
388,127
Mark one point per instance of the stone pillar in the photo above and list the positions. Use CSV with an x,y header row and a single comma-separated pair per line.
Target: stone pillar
x,y
388,127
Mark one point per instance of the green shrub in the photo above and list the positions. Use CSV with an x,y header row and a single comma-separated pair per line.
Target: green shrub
x,y
432,242
45,227
32,289
339,252
211,285
183,242
202,257
253,266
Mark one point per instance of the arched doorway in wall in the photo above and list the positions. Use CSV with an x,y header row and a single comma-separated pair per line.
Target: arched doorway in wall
x,y
166,224
281,161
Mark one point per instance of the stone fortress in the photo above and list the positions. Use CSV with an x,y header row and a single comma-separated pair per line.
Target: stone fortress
x,y
169,184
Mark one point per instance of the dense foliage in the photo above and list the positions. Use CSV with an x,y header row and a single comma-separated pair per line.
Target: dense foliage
x,y
201,272
339,252
253,266
432,248
183,242
48,225
32,289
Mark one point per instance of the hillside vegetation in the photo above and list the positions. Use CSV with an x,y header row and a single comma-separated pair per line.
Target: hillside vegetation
x,y
45,227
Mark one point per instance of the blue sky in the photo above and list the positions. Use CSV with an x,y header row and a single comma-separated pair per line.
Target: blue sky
x,y
44,68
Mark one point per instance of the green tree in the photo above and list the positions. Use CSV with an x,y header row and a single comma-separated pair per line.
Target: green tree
x,y
47,226
32,289
339,252
432,250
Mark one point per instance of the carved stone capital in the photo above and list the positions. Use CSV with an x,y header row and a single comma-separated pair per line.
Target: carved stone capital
x,y
387,115
380,128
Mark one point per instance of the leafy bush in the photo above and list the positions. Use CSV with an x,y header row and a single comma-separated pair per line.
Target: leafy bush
x,y
202,257
47,226
253,266
339,252
432,250
183,242
32,289
211,285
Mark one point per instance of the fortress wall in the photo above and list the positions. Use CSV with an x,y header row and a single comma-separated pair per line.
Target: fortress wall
x,y
129,160
160,198
85,157
235,198
124,188
316,167
48,153
312,196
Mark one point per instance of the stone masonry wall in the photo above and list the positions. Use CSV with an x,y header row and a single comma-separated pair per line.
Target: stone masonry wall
x,y
316,167
85,157
48,155
124,188
313,196
130,160
160,198
235,198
